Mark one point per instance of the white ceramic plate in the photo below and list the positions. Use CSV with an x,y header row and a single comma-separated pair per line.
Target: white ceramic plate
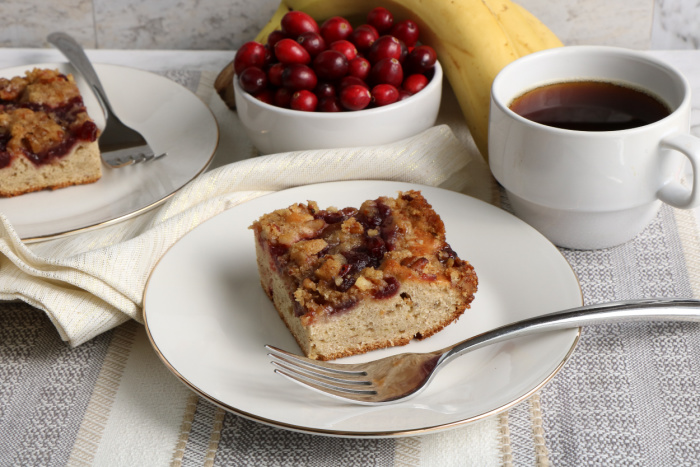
x,y
172,119
208,319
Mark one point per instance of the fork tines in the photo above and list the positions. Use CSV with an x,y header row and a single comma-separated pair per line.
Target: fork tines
x,y
148,157
137,158
324,377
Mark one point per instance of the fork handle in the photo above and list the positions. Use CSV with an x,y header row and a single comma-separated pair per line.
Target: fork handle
x,y
663,309
77,57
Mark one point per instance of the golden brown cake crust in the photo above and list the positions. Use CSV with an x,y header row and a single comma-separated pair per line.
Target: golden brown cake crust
x,y
44,126
353,280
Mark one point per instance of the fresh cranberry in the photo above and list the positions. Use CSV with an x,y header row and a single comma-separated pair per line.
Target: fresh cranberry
x,y
269,55
344,69
414,83
250,54
381,19
297,77
266,95
421,59
274,74
252,80
363,36
330,65
406,31
384,94
296,23
282,97
352,80
387,71
290,51
404,52
303,100
403,94
345,47
274,37
324,90
312,42
355,97
335,29
384,47
329,104
359,67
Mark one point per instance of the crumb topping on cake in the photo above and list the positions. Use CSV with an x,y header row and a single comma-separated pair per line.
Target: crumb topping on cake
x,y
342,256
42,117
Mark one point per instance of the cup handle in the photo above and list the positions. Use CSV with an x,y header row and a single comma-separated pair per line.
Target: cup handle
x,y
674,193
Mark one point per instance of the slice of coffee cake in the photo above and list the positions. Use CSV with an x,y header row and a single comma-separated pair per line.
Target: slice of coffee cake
x,y
47,139
353,280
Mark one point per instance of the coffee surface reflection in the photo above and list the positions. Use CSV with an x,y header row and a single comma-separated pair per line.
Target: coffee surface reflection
x,y
589,106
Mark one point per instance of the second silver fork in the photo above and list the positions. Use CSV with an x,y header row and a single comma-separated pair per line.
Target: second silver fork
x,y
120,145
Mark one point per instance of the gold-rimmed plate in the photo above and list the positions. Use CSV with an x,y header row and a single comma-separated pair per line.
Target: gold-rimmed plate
x,y
208,319
173,119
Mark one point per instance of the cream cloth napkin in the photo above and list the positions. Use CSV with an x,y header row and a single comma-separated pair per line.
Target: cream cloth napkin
x,y
90,282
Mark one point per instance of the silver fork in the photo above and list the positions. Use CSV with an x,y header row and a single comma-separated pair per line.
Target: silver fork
x,y
120,145
397,378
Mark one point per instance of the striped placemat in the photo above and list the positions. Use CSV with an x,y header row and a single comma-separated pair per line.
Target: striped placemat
x,y
628,396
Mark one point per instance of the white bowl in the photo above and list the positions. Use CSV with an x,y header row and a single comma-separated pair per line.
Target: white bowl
x,y
274,129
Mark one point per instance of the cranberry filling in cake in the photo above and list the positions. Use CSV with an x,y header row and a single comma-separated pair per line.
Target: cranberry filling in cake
x,y
347,281
47,139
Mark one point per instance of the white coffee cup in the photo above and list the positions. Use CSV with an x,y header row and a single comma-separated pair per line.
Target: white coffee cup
x,y
592,189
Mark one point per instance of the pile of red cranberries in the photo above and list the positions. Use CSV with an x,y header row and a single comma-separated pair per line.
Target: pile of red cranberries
x,y
336,67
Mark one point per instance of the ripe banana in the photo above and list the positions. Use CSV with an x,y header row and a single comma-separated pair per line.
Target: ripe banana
x,y
274,22
474,40
526,32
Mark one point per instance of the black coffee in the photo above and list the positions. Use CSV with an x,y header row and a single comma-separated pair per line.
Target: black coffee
x,y
589,106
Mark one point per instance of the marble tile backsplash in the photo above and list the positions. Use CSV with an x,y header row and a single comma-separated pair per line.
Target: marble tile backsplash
x,y
226,24
676,24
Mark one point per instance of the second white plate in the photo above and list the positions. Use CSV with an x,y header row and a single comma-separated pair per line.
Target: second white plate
x,y
172,119
209,319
